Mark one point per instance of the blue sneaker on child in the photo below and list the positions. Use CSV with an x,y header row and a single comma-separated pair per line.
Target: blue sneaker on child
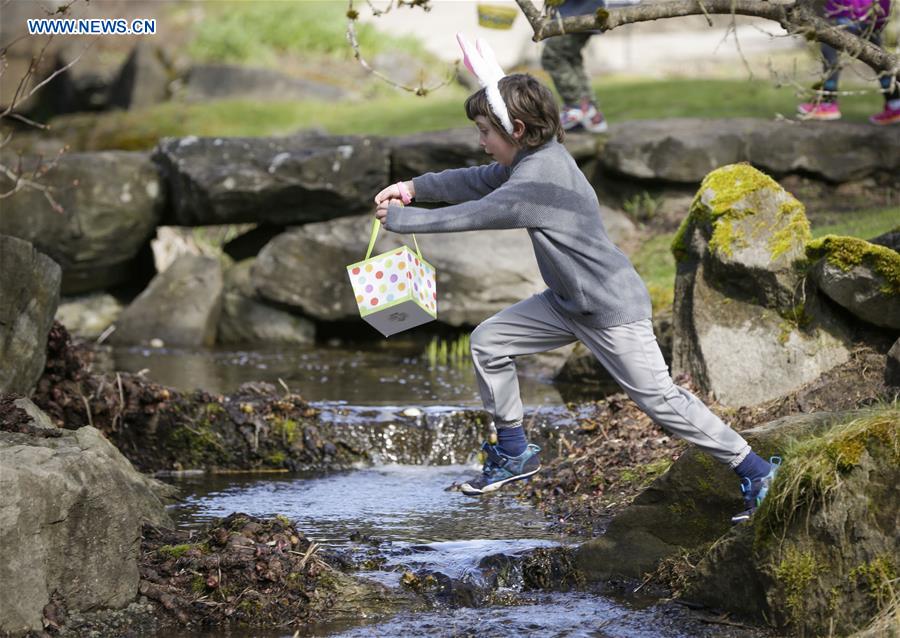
x,y
500,469
755,491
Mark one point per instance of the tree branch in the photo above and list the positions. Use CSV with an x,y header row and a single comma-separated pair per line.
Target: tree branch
x,y
796,17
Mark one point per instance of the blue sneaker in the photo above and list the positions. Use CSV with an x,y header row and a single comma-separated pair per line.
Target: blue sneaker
x,y
755,491
500,469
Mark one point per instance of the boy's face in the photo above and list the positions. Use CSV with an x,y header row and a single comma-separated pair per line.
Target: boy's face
x,y
495,143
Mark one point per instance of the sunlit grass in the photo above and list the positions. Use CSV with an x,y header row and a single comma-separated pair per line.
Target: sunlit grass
x,y
403,113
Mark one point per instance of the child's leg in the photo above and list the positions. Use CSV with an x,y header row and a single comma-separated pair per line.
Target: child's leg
x,y
631,354
561,58
527,327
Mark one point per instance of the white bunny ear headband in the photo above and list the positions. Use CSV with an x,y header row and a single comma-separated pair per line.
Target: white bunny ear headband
x,y
480,60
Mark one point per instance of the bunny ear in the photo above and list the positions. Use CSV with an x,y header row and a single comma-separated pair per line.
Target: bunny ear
x,y
468,53
490,60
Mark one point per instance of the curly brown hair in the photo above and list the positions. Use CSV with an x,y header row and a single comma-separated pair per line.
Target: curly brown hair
x,y
527,99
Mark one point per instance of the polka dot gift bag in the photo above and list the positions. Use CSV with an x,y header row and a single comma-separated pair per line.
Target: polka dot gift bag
x,y
396,290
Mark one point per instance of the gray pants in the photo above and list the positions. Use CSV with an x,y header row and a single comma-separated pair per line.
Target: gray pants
x,y
629,352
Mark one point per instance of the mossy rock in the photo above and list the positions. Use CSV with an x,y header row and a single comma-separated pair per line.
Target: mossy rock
x,y
862,277
687,507
822,552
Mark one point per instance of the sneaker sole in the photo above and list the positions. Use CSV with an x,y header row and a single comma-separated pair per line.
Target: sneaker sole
x,y
886,122
830,117
468,490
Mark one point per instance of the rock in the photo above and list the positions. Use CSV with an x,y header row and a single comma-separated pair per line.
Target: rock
x,y
111,204
478,273
617,224
685,150
78,88
190,289
71,524
29,294
824,544
688,506
742,328
890,239
142,81
281,181
892,370
864,278
434,151
250,243
87,316
221,81
245,319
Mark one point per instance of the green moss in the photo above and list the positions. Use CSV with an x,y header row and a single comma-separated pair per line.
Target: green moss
x,y
174,551
794,573
719,203
878,576
276,458
813,467
287,429
793,226
848,252
198,584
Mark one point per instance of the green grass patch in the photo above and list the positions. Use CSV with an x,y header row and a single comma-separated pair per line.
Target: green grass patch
x,y
865,224
140,129
260,32
713,99
655,264
402,113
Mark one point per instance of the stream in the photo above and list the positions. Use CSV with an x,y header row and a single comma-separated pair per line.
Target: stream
x,y
393,518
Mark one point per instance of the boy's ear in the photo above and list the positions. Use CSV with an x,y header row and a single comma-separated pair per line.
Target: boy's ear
x,y
518,129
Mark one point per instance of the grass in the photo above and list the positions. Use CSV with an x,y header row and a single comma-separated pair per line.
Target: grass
x,y
261,32
401,113
656,265
815,467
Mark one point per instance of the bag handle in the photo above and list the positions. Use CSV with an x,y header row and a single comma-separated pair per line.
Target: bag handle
x,y
376,226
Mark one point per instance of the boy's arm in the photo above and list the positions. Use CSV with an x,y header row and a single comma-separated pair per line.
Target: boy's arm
x,y
460,184
510,206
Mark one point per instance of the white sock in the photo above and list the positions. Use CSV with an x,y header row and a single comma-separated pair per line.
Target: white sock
x,y
894,104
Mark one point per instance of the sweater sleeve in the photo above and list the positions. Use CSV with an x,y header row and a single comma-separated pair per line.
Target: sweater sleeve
x,y
509,206
460,184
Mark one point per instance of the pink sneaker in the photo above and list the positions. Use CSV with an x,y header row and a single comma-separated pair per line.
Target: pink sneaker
x,y
887,116
819,111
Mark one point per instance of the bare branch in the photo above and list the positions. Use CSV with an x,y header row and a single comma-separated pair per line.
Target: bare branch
x,y
796,17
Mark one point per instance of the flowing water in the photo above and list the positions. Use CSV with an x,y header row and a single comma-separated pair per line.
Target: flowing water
x,y
403,514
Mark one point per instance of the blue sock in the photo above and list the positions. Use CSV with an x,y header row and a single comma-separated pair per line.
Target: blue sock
x,y
511,441
753,467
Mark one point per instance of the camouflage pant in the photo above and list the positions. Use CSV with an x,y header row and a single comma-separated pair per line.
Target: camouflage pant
x,y
561,58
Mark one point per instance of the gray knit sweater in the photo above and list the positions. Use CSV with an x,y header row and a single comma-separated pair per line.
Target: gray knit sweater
x,y
546,193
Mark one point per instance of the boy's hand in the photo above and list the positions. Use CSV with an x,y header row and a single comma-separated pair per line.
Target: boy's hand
x,y
393,192
382,210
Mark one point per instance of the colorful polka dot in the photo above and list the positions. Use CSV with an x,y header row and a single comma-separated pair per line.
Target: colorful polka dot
x,y
379,275
393,279
368,267
356,270
369,288
373,301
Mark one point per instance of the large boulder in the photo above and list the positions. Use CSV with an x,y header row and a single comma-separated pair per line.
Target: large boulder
x,y
862,277
29,294
478,273
823,546
110,206
70,518
143,79
685,150
747,326
287,180
246,319
435,151
181,306
822,553
221,81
